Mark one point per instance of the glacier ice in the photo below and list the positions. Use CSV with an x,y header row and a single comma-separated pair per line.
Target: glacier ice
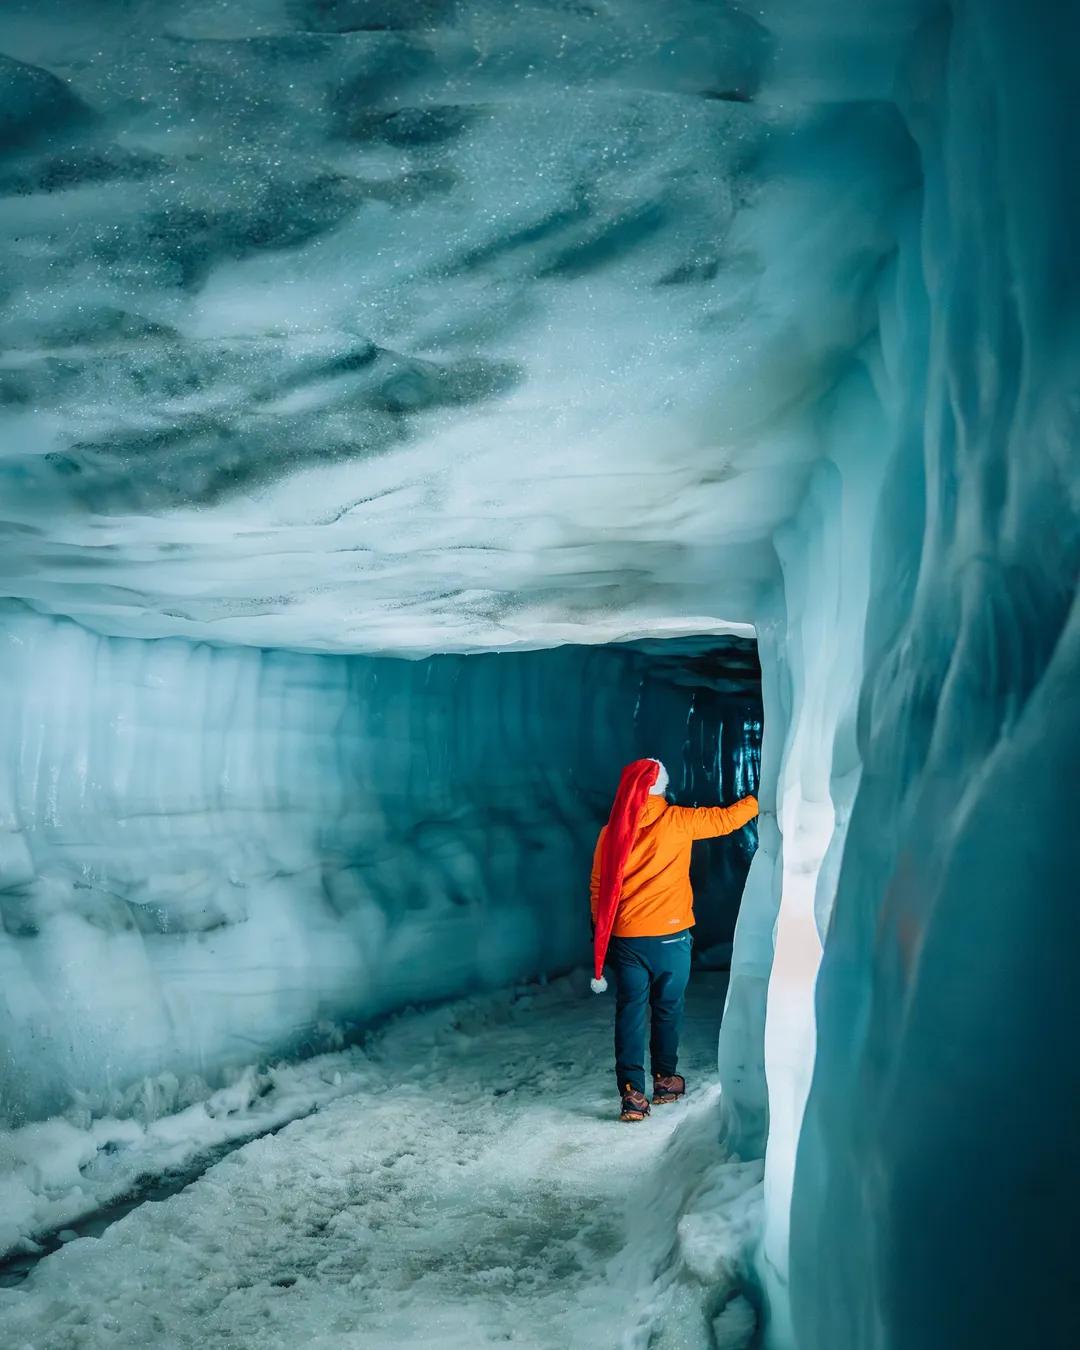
x,y
936,1171
373,326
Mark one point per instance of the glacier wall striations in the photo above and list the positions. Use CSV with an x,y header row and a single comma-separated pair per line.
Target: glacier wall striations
x,y
936,1174
209,856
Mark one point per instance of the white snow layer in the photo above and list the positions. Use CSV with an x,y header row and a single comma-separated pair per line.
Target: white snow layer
x,y
474,1188
57,1172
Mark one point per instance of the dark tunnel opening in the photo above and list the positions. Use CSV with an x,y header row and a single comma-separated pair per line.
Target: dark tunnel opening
x,y
713,755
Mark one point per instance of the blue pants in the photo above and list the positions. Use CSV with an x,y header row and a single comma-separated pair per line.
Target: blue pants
x,y
649,971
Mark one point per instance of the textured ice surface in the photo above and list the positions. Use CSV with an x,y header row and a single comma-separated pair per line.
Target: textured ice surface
x,y
477,1190
212,854
63,1171
414,327
374,326
937,1180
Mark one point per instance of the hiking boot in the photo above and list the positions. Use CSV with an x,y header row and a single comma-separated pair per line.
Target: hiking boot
x,y
635,1105
668,1088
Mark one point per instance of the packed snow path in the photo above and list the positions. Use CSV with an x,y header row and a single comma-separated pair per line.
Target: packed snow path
x,y
481,1191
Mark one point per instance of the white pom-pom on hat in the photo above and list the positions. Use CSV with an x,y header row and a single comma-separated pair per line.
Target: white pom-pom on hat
x,y
598,986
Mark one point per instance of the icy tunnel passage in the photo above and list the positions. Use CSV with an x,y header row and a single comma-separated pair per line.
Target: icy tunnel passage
x,y
399,326
218,857
222,865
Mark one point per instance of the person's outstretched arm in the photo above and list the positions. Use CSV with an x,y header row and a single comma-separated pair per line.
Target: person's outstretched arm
x,y
707,822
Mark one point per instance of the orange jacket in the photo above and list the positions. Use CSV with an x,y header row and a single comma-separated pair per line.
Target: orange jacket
x,y
656,895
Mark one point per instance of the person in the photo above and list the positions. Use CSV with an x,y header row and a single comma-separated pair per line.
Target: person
x,y
643,911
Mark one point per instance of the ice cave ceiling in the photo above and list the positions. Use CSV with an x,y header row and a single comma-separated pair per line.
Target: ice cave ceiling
x,y
369,325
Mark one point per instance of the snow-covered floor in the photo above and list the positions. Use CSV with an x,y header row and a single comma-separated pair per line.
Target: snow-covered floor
x,y
476,1190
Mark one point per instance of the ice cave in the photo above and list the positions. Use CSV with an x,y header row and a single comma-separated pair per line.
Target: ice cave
x,y
411,411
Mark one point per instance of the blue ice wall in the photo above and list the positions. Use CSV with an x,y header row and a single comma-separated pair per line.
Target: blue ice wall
x,y
210,855
937,1180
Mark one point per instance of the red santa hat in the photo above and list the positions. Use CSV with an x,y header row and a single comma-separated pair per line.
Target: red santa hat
x,y
635,784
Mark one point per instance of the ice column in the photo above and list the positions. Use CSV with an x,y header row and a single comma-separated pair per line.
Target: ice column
x,y
936,1181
